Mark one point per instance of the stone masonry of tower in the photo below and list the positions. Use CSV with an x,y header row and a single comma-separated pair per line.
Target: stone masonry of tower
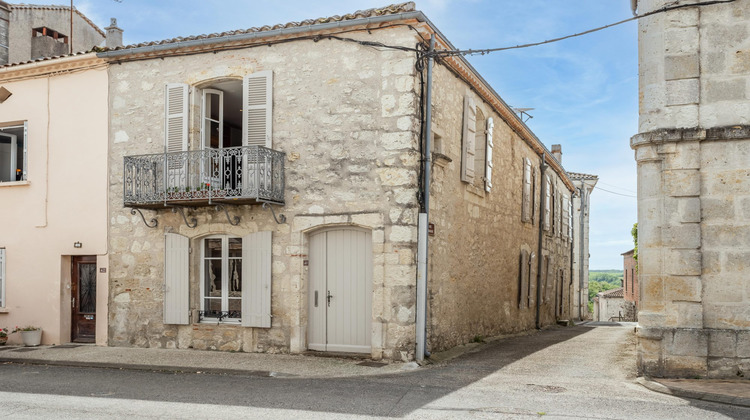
x,y
693,155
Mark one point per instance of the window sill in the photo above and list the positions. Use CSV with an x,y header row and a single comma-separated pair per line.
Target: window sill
x,y
14,183
215,321
476,190
4,310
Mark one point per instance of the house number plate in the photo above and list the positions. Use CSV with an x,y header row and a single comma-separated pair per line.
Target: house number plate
x,y
89,317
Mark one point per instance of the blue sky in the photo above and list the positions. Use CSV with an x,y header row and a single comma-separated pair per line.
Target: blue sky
x,y
584,90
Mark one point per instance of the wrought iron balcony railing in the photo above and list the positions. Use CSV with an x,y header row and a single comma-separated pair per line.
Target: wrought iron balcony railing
x,y
235,175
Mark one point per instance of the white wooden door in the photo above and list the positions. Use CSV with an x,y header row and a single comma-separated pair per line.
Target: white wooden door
x,y
340,294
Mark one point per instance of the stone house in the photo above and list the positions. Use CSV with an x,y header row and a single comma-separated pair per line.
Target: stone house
x,y
630,284
265,194
692,150
584,184
610,306
30,31
53,196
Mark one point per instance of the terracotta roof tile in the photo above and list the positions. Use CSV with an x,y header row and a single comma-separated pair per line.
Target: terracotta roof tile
x,y
360,14
613,294
577,175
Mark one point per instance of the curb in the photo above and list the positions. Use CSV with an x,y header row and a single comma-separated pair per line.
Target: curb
x,y
150,368
684,393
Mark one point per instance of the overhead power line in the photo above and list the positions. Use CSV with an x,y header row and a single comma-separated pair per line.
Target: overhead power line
x,y
611,192
617,187
534,44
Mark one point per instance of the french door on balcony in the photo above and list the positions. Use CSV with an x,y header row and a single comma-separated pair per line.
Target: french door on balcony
x,y
212,133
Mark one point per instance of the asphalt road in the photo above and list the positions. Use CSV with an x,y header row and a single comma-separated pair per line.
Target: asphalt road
x,y
574,372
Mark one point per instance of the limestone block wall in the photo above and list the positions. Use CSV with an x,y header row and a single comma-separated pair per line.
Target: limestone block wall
x,y
581,209
345,115
692,154
477,287
26,17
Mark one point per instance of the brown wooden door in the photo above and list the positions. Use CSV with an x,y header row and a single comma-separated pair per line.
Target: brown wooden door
x,y
83,299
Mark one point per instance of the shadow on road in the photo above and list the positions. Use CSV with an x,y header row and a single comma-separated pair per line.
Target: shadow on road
x,y
393,395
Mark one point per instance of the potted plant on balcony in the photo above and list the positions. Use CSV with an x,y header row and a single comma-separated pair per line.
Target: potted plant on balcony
x,y
3,336
31,336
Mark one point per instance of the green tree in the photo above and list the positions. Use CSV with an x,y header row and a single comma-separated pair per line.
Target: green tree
x,y
634,232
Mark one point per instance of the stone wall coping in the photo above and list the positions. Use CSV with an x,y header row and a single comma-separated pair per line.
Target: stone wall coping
x,y
674,135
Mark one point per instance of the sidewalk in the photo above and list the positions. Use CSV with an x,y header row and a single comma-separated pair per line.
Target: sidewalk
x,y
198,361
727,391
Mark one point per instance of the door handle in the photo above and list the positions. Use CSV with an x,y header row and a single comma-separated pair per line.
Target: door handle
x,y
72,302
328,297
316,298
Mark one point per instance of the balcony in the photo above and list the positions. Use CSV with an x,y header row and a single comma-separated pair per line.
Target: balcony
x,y
236,175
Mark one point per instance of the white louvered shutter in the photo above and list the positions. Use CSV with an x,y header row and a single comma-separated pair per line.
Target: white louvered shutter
x,y
256,280
176,279
490,145
547,203
176,117
257,109
469,142
527,208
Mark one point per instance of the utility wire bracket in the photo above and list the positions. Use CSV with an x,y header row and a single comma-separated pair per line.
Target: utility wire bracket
x,y
154,223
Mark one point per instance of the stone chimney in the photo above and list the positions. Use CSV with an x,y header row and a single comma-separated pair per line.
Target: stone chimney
x,y
4,32
114,34
557,152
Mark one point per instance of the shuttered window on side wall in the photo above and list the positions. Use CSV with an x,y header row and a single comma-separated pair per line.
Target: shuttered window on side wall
x,y
488,164
547,203
468,143
526,205
522,275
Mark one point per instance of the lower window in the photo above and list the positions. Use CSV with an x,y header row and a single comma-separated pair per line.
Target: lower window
x,y
221,279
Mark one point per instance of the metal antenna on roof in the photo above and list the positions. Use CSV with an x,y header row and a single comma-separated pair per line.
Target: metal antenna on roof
x,y
523,111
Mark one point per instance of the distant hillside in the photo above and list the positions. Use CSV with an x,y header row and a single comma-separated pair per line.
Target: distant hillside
x,y
601,281
613,277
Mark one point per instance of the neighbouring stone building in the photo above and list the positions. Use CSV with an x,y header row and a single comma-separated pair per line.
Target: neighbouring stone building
x,y
693,149
33,31
584,184
630,285
265,188
610,306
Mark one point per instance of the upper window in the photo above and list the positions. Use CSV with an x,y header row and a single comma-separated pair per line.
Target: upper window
x,y
221,278
547,203
13,147
476,146
527,207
